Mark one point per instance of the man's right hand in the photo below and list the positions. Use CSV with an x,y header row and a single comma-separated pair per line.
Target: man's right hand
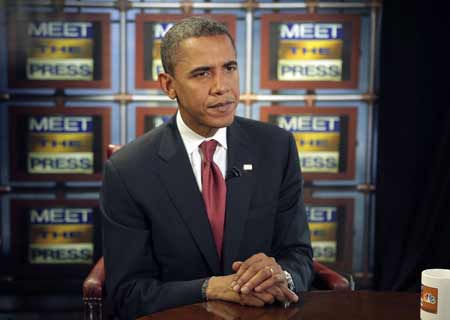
x,y
279,291
219,288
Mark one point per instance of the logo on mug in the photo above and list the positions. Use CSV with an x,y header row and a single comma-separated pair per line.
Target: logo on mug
x,y
429,299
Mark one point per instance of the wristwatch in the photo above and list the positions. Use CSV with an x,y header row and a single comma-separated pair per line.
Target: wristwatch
x,y
204,287
289,280
291,286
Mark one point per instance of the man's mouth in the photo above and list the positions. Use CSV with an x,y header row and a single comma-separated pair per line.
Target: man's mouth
x,y
222,105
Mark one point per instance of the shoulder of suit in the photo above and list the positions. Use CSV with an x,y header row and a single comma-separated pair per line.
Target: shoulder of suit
x,y
261,129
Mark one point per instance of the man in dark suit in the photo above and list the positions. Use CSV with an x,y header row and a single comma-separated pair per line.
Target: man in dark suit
x,y
208,206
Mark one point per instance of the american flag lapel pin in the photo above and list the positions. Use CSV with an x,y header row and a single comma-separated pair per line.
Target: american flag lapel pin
x,y
248,167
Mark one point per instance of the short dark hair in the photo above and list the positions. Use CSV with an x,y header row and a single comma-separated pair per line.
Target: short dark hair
x,y
192,27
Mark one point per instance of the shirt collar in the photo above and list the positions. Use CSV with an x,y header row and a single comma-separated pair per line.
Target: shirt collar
x,y
192,140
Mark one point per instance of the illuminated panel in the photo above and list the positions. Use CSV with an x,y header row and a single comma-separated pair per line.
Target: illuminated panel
x,y
330,222
153,121
310,52
60,144
325,138
159,30
60,236
150,118
63,50
60,50
318,140
322,222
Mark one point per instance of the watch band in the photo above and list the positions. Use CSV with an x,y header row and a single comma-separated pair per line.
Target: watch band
x,y
291,286
204,286
289,280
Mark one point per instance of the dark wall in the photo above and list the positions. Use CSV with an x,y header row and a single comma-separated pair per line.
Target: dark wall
x,y
413,182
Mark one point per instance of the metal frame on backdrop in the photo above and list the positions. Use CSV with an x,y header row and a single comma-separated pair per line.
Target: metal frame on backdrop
x,y
247,97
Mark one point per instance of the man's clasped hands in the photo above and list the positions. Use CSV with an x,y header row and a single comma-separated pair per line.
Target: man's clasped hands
x,y
257,281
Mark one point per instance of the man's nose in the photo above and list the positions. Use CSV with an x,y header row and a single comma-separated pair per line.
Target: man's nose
x,y
220,83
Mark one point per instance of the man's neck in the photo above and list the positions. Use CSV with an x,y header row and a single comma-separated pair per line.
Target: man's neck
x,y
205,132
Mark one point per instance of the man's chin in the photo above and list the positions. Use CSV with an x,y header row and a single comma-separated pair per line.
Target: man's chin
x,y
224,122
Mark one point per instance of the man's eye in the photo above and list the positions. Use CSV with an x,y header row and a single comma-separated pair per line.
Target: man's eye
x,y
201,74
231,67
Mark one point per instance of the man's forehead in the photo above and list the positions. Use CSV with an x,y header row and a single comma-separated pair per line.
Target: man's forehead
x,y
205,43
205,51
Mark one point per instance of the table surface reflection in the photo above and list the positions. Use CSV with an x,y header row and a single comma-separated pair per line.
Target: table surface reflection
x,y
320,305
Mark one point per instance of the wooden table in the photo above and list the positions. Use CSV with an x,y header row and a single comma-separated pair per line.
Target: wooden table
x,y
317,305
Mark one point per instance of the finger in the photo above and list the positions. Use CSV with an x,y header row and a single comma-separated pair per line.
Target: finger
x,y
249,262
236,265
253,269
264,274
265,296
276,293
290,295
276,278
251,272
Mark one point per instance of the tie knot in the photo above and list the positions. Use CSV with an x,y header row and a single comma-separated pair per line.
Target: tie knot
x,y
208,148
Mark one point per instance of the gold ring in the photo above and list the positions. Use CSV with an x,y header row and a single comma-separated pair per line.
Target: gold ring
x,y
271,269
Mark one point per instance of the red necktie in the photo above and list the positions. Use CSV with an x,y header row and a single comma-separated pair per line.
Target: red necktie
x,y
214,192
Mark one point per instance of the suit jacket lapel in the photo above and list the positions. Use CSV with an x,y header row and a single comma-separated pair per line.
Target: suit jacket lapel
x,y
176,174
240,152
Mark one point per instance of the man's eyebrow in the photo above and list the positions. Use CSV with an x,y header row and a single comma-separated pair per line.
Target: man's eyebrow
x,y
230,63
207,68
200,69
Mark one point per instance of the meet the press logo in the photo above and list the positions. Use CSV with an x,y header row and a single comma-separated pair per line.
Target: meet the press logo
x,y
318,139
60,50
61,236
322,222
310,52
60,144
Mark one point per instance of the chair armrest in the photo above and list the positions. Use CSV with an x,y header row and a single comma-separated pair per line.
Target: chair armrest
x,y
328,279
93,284
111,149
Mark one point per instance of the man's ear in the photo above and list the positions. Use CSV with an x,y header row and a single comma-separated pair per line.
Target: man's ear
x,y
166,84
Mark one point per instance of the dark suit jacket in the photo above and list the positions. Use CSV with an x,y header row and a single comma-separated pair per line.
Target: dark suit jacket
x,y
158,244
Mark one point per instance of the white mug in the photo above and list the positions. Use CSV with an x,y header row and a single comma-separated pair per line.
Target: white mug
x,y
435,295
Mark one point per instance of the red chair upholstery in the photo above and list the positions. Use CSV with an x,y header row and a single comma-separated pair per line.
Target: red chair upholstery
x,y
111,149
328,279
93,292
93,286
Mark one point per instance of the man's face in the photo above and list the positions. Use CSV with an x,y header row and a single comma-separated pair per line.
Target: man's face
x,y
206,83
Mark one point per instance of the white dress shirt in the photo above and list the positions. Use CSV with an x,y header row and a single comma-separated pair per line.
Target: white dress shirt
x,y
192,143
